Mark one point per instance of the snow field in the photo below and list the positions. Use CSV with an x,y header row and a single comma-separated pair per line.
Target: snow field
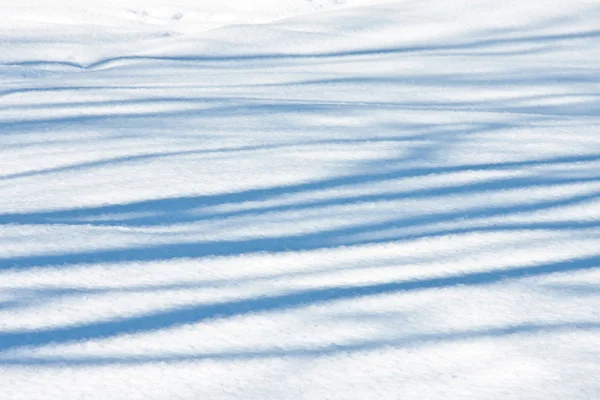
x,y
299,200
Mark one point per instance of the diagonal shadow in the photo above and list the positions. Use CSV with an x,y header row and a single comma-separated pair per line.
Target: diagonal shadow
x,y
181,204
194,314
412,341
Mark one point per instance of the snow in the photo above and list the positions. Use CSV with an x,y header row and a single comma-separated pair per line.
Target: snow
x,y
287,199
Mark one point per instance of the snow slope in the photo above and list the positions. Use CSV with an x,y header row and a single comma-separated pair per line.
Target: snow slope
x,y
299,199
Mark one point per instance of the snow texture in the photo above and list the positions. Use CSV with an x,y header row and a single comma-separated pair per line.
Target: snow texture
x,y
293,199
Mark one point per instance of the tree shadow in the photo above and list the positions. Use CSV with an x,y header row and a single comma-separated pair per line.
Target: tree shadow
x,y
199,313
412,342
430,139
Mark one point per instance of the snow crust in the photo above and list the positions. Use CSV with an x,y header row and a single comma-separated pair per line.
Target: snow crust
x,y
287,199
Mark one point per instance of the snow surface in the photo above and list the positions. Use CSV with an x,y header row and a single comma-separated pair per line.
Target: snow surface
x,y
289,199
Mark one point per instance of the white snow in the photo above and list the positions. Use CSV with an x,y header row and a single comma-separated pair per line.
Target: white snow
x,y
294,199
